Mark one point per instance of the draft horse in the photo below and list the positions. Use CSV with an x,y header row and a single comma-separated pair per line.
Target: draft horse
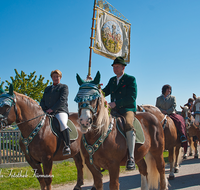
x,y
104,146
172,141
191,129
40,145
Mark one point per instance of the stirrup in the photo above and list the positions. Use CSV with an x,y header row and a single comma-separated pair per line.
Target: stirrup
x,y
66,151
130,164
183,139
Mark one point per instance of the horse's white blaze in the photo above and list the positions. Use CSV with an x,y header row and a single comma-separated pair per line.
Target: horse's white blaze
x,y
84,117
144,183
197,116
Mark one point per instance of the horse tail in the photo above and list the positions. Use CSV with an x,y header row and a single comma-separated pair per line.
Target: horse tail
x,y
153,174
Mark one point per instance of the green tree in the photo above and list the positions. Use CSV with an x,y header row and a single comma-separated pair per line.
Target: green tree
x,y
28,85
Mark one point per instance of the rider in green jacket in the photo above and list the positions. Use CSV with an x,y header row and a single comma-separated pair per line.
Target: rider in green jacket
x,y
123,91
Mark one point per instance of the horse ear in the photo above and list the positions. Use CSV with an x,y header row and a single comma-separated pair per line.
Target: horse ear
x,y
1,90
11,89
182,107
139,108
97,78
194,96
79,80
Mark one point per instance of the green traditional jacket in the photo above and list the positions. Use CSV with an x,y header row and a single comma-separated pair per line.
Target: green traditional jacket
x,y
124,94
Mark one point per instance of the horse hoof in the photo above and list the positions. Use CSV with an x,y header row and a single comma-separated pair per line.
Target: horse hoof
x,y
196,156
176,170
93,188
171,177
190,154
77,188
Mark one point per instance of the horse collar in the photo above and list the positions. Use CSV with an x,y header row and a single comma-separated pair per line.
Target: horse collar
x,y
91,149
27,141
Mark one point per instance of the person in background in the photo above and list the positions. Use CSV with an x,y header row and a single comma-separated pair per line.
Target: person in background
x,y
190,103
55,101
123,91
167,105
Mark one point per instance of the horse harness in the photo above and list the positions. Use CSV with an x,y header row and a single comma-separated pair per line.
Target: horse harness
x,y
91,149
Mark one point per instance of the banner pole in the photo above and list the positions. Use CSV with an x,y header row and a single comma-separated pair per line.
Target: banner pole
x,y
91,38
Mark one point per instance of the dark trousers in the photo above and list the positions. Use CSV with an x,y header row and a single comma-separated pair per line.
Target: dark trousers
x,y
179,123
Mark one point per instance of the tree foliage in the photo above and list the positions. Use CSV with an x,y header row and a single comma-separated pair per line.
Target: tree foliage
x,y
28,84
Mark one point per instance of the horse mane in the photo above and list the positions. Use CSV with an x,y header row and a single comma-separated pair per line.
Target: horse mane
x,y
151,107
102,122
24,97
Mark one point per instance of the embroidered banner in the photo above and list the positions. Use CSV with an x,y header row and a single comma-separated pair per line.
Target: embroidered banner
x,y
112,36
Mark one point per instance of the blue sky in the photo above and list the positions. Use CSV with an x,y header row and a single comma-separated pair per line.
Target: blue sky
x,y
44,35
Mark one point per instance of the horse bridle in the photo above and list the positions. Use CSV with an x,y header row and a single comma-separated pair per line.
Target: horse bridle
x,y
187,118
88,106
4,117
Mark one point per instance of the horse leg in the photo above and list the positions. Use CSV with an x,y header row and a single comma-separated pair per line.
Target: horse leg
x,y
143,172
97,176
37,172
176,165
114,176
47,167
196,155
79,165
191,143
171,163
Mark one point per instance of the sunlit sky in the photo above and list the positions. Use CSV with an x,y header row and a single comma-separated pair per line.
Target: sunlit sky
x,y
44,35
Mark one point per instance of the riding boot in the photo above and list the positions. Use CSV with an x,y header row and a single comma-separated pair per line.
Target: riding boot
x,y
66,149
130,138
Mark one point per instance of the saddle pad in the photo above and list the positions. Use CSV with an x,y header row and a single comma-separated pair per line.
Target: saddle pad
x,y
140,138
55,127
73,133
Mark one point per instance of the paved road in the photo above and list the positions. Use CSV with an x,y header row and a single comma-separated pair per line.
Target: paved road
x,y
188,178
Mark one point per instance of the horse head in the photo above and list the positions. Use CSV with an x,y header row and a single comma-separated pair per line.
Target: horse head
x,y
196,109
7,101
91,107
187,115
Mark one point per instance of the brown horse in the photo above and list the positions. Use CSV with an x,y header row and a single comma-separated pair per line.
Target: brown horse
x,y
191,128
104,146
43,144
172,141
